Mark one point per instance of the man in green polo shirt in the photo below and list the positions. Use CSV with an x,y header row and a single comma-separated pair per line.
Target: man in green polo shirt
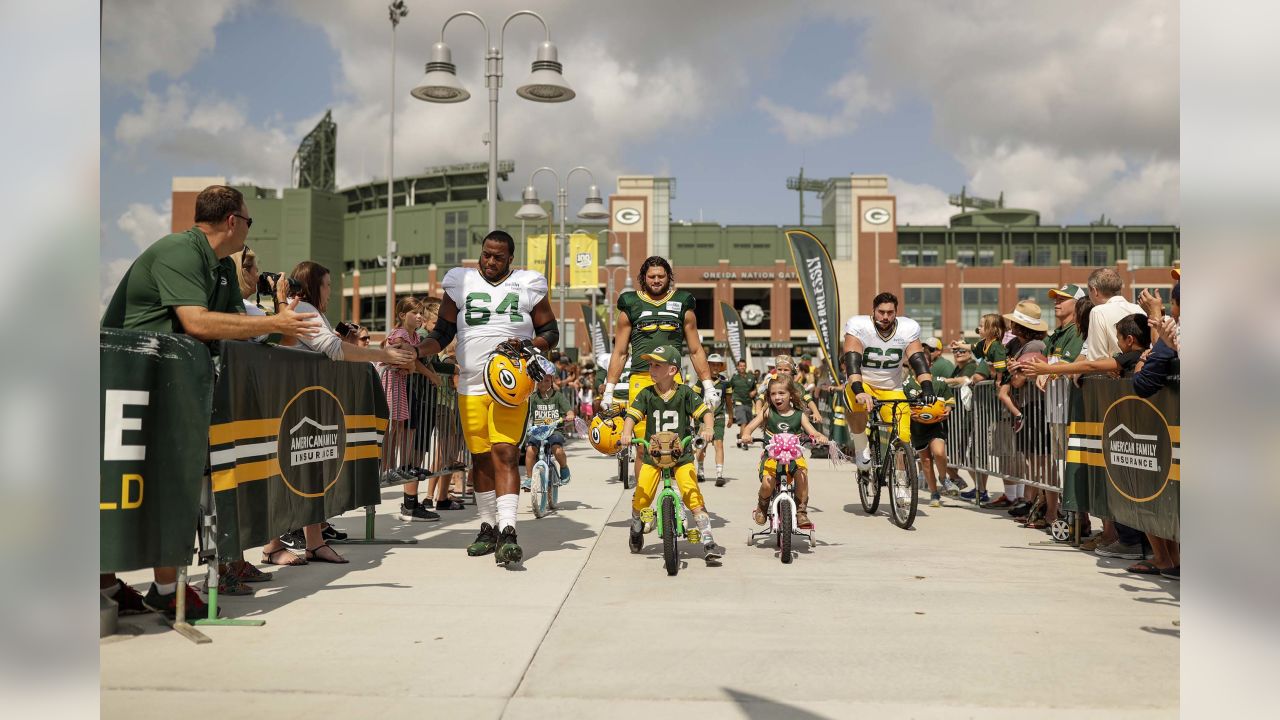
x,y
187,283
940,367
1065,343
742,388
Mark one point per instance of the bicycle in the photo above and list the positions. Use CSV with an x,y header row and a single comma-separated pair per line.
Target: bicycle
x,y
896,469
544,488
623,454
782,507
670,516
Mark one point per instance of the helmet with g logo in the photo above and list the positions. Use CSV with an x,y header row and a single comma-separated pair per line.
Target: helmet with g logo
x,y
605,433
507,379
934,412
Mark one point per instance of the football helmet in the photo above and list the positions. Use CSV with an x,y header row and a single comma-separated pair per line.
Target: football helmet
x,y
934,412
507,380
605,433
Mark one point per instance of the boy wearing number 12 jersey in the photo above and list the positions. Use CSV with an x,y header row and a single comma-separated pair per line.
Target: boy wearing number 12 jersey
x,y
667,406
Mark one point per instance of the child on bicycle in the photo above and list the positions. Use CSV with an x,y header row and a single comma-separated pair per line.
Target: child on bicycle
x,y
547,406
666,406
783,414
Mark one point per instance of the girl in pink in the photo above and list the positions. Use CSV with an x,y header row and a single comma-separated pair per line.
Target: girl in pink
x,y
394,383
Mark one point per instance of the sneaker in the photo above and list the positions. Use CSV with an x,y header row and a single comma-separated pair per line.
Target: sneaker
x,y
720,481
935,500
230,584
1001,502
968,495
329,532
635,535
802,520
168,604
712,552
958,481
294,540
1173,573
701,478
526,483
1092,543
564,477
1118,549
128,601
509,552
417,513
450,504
393,477
950,488
863,459
1021,508
485,543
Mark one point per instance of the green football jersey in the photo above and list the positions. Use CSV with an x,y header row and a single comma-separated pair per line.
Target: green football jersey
x,y
654,323
723,385
777,422
1065,343
548,410
675,413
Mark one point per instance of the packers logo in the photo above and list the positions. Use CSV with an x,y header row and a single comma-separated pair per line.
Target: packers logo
x,y
595,435
507,379
784,427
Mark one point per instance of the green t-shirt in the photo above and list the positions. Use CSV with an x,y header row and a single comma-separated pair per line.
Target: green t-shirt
x,y
654,323
942,368
968,370
676,413
177,270
741,387
1065,343
777,422
548,410
912,388
723,385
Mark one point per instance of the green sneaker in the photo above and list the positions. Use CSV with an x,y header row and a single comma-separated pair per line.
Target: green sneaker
x,y
509,552
486,541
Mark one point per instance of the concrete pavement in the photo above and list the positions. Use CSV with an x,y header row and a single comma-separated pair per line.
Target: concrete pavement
x,y
960,617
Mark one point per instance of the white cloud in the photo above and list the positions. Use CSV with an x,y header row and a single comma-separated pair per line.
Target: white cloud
x,y
109,277
921,203
144,37
145,223
853,93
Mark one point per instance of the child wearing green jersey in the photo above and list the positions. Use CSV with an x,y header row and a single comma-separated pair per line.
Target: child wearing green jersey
x,y
782,415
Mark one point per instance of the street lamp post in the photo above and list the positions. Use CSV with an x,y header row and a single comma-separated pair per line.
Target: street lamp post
x,y
592,209
545,84
396,10
615,261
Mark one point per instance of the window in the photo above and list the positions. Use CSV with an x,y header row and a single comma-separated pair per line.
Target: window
x,y
1101,257
965,257
462,218
1158,257
924,305
986,258
929,258
1137,257
1080,256
909,258
450,218
1044,257
1022,256
976,302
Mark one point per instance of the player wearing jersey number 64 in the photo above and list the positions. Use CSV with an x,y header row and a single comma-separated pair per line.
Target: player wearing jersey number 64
x,y
494,308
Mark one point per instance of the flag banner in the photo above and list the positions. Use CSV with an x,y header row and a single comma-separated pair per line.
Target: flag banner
x,y
540,249
156,390
733,330
583,270
595,328
821,295
295,439
1123,456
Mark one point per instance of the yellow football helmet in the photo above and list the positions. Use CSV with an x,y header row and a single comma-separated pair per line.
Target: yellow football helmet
x,y
934,412
605,433
507,379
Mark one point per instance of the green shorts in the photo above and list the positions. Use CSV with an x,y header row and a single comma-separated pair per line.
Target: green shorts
x,y
718,430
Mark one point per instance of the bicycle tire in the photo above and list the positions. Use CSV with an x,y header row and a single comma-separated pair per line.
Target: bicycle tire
x,y
553,485
784,529
869,491
538,490
670,553
902,515
624,471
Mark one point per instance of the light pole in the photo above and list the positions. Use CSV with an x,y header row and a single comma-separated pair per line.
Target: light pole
x,y
592,209
545,84
615,261
395,10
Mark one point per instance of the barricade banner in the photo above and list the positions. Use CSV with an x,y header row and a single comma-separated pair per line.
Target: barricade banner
x,y
821,295
296,438
156,393
733,327
1123,456
599,340
583,270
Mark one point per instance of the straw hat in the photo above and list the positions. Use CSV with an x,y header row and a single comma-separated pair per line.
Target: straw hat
x,y
1027,314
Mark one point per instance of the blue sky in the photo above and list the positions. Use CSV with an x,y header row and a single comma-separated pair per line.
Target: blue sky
x,y
1070,109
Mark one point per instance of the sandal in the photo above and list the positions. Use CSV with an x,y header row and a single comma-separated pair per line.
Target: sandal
x,y
270,558
313,557
758,516
1037,524
1143,567
246,572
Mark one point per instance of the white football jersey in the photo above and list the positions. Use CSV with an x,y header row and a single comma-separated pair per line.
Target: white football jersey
x,y
882,358
489,313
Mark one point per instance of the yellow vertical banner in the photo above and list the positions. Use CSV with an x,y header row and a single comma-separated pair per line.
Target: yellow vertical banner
x,y
536,247
583,267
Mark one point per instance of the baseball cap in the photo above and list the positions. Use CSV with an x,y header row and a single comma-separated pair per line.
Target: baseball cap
x,y
932,343
1067,292
1176,273
715,357
663,354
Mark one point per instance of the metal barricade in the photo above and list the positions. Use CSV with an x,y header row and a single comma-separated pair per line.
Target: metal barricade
x,y
570,394
424,436
982,440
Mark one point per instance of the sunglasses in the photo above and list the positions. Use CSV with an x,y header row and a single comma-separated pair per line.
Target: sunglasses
x,y
248,221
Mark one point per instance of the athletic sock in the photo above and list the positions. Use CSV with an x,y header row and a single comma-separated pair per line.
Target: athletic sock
x,y
410,501
166,588
719,470
485,506
860,443
507,505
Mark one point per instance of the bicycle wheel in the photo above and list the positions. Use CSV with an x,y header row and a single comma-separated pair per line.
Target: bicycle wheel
x,y
784,529
868,491
538,490
624,470
670,554
553,488
904,491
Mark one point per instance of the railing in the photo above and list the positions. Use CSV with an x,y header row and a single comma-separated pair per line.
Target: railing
x,y
424,437
981,437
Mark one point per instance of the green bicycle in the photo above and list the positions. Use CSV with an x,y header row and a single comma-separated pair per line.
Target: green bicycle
x,y
670,516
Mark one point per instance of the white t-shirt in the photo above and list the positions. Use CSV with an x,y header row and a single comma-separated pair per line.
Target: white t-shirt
x,y
324,341
252,310
1103,342
489,313
882,357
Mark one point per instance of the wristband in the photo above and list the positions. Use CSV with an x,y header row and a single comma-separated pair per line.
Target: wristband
x,y
857,388
608,388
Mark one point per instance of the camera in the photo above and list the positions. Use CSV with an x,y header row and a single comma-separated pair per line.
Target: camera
x,y
344,329
267,284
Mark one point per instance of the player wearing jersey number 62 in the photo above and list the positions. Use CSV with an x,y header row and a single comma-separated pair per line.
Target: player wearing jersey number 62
x,y
490,309
875,347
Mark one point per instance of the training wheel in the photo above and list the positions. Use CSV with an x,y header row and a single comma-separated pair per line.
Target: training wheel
x,y
1060,530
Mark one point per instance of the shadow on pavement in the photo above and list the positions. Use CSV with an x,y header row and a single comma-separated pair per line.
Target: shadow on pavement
x,y
757,707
